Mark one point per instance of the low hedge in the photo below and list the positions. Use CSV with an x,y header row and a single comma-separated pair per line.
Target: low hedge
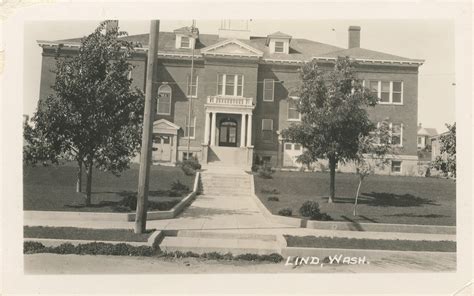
x,y
95,248
274,257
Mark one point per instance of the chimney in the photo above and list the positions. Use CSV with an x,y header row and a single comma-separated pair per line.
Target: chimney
x,y
111,24
354,36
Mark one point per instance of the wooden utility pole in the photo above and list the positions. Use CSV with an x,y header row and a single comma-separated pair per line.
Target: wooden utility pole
x,y
147,133
190,95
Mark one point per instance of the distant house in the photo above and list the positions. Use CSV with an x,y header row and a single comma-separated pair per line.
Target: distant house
x,y
424,136
436,145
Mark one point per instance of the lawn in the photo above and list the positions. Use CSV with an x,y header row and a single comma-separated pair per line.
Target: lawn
x,y
369,244
384,199
52,188
74,233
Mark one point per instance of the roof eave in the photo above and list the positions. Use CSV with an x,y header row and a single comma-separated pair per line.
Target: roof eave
x,y
376,61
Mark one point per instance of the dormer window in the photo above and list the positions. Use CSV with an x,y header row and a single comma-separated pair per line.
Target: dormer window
x,y
185,42
279,42
279,47
186,37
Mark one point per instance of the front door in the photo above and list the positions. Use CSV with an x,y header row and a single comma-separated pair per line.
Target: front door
x,y
228,133
162,148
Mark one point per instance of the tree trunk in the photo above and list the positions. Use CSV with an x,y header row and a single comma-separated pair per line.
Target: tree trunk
x,y
79,177
354,213
332,183
89,181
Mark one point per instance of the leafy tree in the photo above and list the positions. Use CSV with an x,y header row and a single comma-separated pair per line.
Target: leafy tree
x,y
446,162
334,116
94,116
372,154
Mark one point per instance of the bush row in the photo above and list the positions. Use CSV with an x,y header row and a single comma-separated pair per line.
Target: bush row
x,y
309,209
274,257
95,248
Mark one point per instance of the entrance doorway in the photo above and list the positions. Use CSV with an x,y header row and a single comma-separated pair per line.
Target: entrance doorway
x,y
228,133
162,148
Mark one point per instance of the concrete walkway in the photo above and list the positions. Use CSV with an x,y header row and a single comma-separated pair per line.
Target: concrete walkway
x,y
226,206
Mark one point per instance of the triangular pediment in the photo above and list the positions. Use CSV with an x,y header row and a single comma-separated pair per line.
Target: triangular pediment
x,y
231,47
165,126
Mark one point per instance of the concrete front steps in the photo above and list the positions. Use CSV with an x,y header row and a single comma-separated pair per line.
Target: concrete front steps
x,y
223,242
231,183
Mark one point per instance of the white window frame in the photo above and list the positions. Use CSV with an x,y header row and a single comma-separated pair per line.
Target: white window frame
x,y
265,81
282,46
391,166
292,98
186,128
158,99
401,135
189,87
236,84
181,42
390,100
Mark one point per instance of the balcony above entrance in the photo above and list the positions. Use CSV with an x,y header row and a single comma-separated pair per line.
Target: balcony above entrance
x,y
229,103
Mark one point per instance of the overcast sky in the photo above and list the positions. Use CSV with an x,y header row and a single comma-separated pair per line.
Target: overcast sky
x,y
432,41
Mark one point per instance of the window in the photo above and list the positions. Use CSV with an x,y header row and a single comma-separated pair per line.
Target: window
x,y
187,156
192,87
297,147
396,136
419,140
164,100
189,130
385,92
268,90
279,47
185,42
397,92
389,92
230,84
267,130
396,166
288,146
293,113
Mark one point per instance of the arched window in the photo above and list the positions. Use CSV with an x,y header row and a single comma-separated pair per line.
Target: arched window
x,y
164,100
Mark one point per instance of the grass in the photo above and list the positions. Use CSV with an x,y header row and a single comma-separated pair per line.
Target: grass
x,y
53,188
369,244
384,199
73,233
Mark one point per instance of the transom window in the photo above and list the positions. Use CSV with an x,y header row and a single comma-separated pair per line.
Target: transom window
x,y
293,114
279,47
230,84
268,90
192,86
389,92
185,42
267,130
164,100
190,129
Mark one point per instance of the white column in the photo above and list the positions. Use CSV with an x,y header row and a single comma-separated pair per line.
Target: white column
x,y
249,131
206,129
213,129
242,131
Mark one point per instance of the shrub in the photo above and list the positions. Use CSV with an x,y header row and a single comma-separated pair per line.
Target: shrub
x,y
273,198
270,191
175,193
428,172
265,172
311,210
129,201
192,162
188,170
179,187
285,212
94,248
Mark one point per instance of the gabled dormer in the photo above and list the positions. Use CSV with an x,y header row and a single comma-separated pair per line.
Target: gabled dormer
x,y
279,42
186,37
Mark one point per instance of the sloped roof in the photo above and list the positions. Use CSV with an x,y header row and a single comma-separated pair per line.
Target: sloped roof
x,y
300,49
362,53
427,131
279,34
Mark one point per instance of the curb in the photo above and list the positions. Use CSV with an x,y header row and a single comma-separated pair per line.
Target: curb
x,y
123,217
337,225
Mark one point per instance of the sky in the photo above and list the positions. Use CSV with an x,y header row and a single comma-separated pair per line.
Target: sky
x,y
430,40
